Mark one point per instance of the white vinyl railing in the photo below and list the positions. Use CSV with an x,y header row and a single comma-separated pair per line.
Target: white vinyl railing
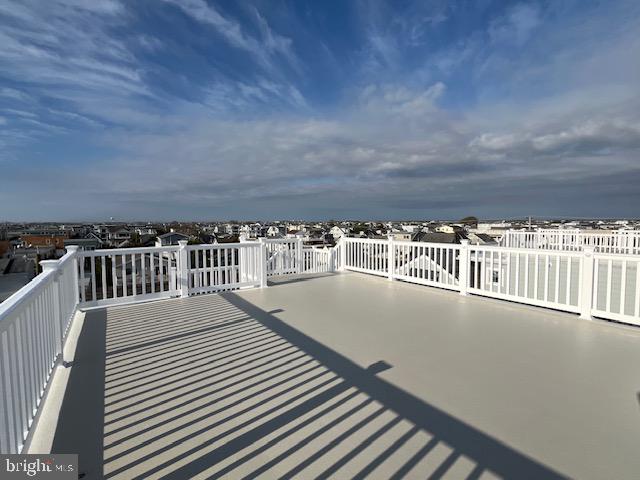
x,y
284,256
212,268
126,275
426,263
616,291
318,260
619,241
123,275
365,255
289,256
591,284
415,262
33,325
35,320
536,277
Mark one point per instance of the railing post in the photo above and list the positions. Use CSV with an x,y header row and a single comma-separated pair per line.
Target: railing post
x,y
586,282
391,258
299,256
54,267
463,267
342,254
242,258
183,265
73,249
262,258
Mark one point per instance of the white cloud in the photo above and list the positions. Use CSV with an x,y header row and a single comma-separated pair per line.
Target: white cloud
x,y
517,25
263,49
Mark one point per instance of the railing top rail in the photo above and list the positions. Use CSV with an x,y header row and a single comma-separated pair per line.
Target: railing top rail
x,y
365,240
34,286
531,251
120,251
25,293
617,256
545,231
214,246
278,240
429,244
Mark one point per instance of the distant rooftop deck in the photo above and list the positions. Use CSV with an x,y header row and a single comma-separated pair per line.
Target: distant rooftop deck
x,y
350,376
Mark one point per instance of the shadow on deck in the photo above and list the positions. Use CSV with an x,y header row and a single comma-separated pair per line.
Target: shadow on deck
x,y
214,387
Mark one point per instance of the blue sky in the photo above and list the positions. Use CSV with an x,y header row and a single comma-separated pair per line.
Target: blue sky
x,y
197,109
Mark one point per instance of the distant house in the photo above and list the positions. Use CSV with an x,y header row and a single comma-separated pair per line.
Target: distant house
x,y
337,232
84,243
117,235
481,239
439,237
227,238
375,234
449,228
146,231
171,238
400,236
273,231
43,238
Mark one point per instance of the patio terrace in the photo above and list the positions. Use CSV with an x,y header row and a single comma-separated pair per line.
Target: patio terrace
x,y
347,376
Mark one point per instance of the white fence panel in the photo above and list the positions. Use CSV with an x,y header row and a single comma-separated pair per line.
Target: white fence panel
x,y
617,288
33,325
212,268
366,255
543,278
283,256
620,241
433,264
124,275
318,260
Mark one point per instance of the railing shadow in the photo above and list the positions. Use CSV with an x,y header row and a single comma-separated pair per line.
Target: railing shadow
x,y
287,279
256,399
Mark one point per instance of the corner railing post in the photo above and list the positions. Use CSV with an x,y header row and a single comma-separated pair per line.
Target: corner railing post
x,y
262,258
391,258
75,251
342,254
463,267
53,266
299,256
242,259
587,282
183,265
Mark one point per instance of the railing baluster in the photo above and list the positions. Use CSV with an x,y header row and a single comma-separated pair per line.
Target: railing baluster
x,y
114,277
556,297
568,292
143,275
152,269
82,285
123,261
134,278
623,286
93,279
609,275
637,291
104,276
161,271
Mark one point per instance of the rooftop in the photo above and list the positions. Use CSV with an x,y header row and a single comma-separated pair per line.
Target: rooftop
x,y
345,375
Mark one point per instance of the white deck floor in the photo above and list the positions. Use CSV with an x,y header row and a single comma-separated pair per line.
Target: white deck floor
x,y
351,376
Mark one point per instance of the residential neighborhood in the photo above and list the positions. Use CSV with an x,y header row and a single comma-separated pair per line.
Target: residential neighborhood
x,y
23,245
